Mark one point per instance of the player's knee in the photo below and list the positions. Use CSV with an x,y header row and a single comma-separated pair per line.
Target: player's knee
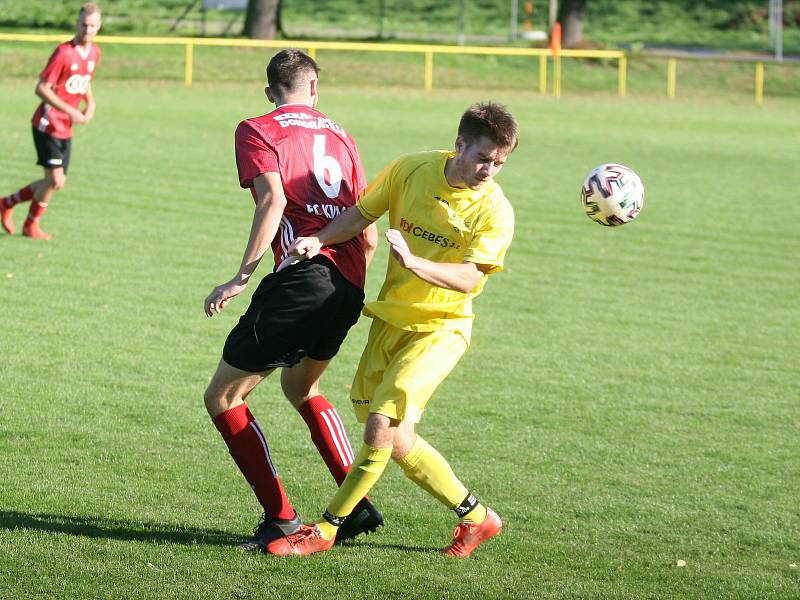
x,y
380,431
209,398
298,393
214,401
296,397
403,443
56,181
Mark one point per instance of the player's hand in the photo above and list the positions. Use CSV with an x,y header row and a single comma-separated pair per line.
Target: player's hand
x,y
305,246
222,294
399,248
77,117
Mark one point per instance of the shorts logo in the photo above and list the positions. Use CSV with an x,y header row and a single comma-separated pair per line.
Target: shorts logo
x,y
359,402
429,236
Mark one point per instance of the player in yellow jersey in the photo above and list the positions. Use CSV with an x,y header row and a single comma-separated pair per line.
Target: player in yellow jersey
x,y
450,227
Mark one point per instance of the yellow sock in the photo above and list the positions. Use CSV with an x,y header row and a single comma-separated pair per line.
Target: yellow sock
x,y
476,515
364,472
328,530
428,469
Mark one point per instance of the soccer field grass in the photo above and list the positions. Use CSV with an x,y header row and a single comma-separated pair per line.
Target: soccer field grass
x,y
630,399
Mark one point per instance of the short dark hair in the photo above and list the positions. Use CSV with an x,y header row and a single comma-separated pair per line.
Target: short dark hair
x,y
286,68
490,120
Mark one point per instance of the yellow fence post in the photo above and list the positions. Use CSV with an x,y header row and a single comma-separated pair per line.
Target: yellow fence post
x,y
187,67
622,75
542,73
428,70
672,67
759,83
557,75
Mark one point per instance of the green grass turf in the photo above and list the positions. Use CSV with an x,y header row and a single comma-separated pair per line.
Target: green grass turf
x,y
630,400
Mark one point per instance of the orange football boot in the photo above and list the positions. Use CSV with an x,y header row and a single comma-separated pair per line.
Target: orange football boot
x,y
468,536
33,231
6,216
307,540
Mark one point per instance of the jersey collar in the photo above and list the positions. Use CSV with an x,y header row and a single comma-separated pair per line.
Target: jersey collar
x,y
82,51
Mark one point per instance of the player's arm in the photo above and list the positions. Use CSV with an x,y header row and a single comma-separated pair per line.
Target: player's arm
x,y
270,204
347,225
461,277
370,242
89,103
371,232
44,89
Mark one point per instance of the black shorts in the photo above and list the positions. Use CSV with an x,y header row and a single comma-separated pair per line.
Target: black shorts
x,y
303,310
52,152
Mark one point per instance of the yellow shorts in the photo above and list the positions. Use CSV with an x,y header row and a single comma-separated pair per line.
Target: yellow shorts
x,y
399,370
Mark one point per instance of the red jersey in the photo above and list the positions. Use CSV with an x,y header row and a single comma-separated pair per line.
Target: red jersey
x,y
321,172
70,69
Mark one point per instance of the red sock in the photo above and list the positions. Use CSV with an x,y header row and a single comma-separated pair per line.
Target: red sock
x,y
250,452
22,195
328,435
34,213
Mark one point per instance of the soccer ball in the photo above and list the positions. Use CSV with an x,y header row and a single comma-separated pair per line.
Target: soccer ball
x,y
612,195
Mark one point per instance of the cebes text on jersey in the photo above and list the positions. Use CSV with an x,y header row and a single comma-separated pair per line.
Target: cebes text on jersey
x,y
301,119
429,236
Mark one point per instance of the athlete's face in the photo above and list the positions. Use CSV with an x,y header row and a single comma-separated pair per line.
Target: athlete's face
x,y
475,162
87,27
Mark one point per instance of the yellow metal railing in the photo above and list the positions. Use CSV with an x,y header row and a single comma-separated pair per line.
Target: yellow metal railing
x,y
427,52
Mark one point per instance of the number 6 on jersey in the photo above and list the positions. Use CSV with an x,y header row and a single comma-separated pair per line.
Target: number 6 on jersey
x,y
326,164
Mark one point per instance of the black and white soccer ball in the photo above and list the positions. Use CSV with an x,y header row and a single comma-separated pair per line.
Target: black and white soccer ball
x,y
612,195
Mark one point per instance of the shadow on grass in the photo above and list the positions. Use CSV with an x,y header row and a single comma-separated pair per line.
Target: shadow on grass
x,y
379,546
114,529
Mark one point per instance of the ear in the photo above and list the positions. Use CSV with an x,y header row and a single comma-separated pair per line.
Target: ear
x,y
269,94
460,145
312,90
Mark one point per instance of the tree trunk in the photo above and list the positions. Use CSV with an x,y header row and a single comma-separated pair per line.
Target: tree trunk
x,y
572,15
262,20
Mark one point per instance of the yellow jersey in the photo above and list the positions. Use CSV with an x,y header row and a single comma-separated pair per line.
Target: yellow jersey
x,y
442,224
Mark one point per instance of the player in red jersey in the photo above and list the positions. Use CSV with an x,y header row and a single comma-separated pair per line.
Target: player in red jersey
x,y
63,84
302,170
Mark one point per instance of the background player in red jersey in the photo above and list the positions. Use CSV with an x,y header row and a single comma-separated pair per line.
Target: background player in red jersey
x,y
63,84
302,170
